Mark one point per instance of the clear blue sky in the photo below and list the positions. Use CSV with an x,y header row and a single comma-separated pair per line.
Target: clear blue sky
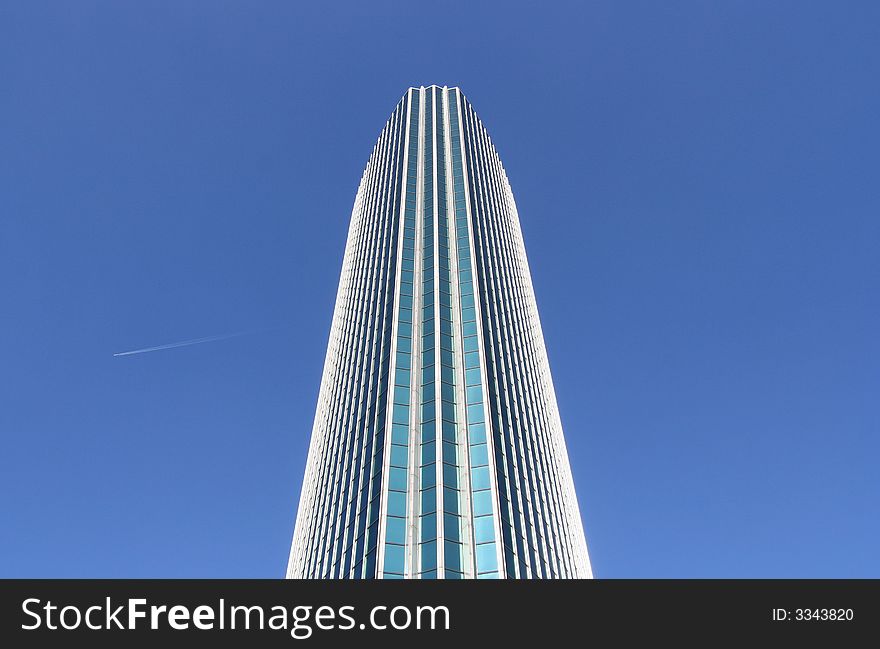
x,y
698,188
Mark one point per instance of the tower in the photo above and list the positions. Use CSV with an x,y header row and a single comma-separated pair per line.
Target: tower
x,y
437,449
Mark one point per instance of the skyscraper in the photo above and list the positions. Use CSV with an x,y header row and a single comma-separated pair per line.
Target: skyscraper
x,y
437,450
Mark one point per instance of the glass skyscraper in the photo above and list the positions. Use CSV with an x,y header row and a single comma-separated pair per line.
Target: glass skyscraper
x,y
437,450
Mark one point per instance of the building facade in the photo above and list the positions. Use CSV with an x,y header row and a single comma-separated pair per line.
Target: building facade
x,y
437,449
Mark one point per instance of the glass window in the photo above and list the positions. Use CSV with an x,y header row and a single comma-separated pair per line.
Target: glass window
x,y
452,555
429,527
446,358
480,478
482,503
429,452
486,558
477,433
429,500
399,455
396,503
399,433
394,559
450,452
479,455
450,476
452,527
397,479
484,529
395,530
429,555
401,414
450,500
429,476
475,413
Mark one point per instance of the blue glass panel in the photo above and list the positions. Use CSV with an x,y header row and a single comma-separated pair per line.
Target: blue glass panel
x,y
452,555
395,530
482,503
450,452
401,394
487,560
479,455
429,500
450,500
401,415
477,433
397,479
429,452
452,527
399,434
394,559
429,555
396,503
429,527
399,455
480,478
450,476
429,476
484,529
475,414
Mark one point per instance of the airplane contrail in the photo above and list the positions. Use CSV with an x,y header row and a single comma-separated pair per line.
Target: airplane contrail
x,y
184,343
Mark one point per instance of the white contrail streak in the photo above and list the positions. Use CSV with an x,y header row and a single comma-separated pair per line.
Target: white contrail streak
x,y
183,343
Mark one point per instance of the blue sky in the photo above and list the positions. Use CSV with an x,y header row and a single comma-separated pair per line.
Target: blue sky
x,y
698,190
